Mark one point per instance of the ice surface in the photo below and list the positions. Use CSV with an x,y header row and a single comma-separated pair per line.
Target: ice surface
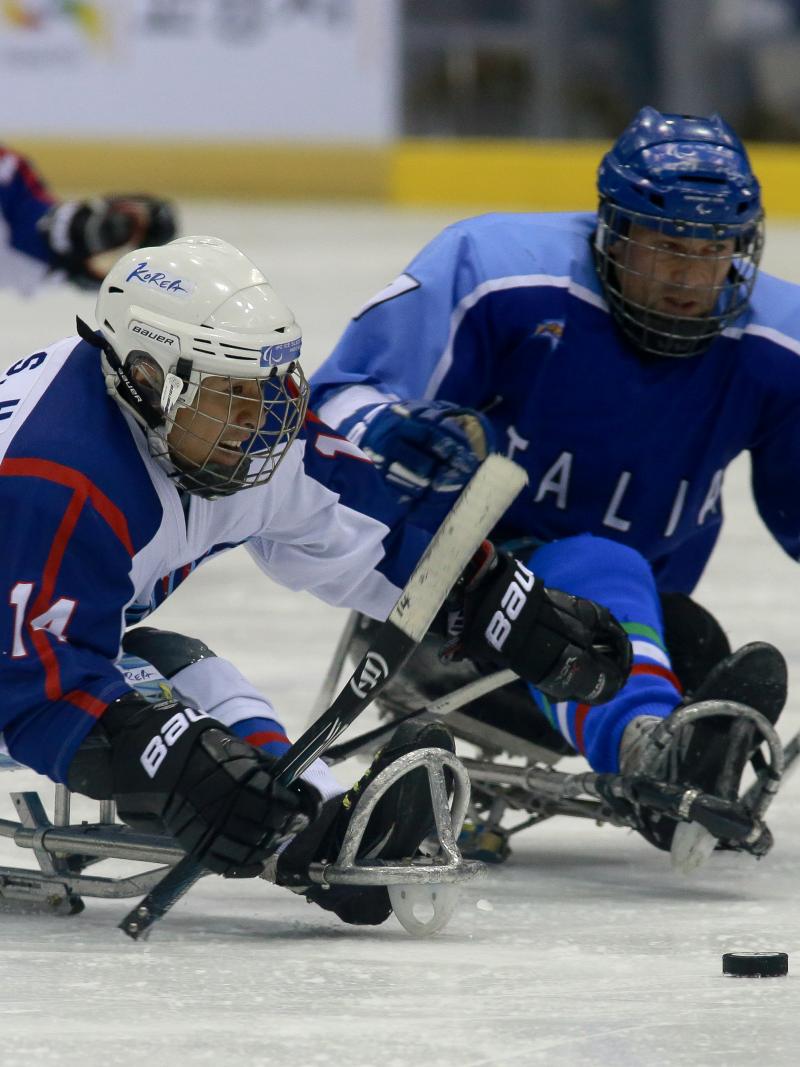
x,y
583,949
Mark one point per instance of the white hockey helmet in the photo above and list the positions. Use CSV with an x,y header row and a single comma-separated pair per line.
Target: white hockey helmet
x,y
199,347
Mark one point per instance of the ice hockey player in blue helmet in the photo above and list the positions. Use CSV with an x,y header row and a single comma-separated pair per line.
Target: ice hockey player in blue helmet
x,y
43,237
624,358
131,454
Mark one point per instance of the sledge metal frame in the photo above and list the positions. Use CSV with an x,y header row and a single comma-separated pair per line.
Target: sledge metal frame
x,y
536,789
540,791
64,849
446,866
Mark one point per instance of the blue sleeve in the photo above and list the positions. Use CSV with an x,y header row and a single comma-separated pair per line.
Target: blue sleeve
x,y
776,467
402,342
765,394
24,199
65,571
342,468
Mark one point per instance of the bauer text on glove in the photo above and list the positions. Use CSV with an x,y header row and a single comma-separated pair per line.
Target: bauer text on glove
x,y
176,769
570,648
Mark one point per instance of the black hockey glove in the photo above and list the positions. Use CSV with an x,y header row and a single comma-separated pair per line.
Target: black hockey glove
x,y
570,648
214,793
86,237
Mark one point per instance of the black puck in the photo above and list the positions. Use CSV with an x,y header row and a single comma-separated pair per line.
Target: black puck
x,y
755,964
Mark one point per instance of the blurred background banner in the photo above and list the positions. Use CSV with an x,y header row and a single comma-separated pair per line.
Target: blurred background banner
x,y
480,103
221,70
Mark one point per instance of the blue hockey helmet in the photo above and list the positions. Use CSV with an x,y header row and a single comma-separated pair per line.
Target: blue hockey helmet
x,y
680,231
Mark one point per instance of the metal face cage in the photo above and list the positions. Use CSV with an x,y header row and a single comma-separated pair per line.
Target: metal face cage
x,y
673,285
225,433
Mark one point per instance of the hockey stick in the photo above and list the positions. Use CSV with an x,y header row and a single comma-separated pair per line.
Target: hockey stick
x,y
439,709
483,501
791,751
328,687
731,820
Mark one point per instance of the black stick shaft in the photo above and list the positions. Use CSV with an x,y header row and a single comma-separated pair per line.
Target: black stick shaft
x,y
176,882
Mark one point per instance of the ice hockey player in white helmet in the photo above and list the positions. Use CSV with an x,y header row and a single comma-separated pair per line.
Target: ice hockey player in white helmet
x,y
79,240
134,453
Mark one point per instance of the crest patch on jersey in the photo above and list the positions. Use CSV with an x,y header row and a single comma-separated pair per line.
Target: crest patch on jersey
x,y
552,330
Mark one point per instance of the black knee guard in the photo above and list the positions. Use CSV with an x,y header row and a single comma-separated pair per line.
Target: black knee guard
x,y
167,651
90,771
695,640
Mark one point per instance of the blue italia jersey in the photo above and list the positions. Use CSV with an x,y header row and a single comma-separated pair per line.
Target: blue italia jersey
x,y
504,313
25,257
95,535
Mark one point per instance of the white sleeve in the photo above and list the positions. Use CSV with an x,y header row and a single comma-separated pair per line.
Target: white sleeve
x,y
315,542
19,271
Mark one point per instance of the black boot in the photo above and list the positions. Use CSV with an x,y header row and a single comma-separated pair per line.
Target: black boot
x,y
754,675
694,638
712,753
402,819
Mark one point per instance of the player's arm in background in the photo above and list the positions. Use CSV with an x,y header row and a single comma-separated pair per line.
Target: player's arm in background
x,y
412,371
25,259
397,346
65,558
79,239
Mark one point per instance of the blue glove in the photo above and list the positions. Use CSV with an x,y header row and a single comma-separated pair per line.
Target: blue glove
x,y
427,452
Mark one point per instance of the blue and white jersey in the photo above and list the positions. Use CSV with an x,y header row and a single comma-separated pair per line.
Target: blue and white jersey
x,y
504,313
25,258
95,534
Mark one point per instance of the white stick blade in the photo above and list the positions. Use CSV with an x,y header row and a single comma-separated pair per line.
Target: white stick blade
x,y
485,498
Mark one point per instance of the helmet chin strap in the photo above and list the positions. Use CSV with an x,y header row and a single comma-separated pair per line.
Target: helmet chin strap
x,y
176,386
119,381
209,481
658,335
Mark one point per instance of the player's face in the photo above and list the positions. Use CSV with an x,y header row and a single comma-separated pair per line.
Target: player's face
x,y
680,276
226,412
